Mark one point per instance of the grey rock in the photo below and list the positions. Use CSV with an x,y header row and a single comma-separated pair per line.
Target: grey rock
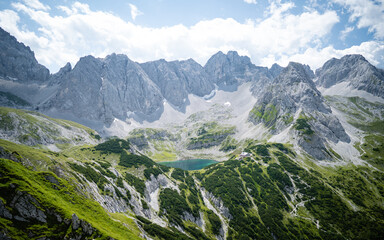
x,y
75,222
3,236
231,70
14,156
61,74
87,227
292,91
140,142
356,71
208,141
18,63
177,79
27,207
275,70
218,203
58,218
104,89
4,212
314,146
189,217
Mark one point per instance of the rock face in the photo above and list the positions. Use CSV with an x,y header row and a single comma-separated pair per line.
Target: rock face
x,y
293,100
106,88
24,210
356,71
232,69
18,63
275,70
177,79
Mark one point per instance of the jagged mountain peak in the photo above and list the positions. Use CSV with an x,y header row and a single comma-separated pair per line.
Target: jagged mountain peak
x,y
60,75
177,79
23,66
275,70
296,73
355,71
231,69
116,57
231,58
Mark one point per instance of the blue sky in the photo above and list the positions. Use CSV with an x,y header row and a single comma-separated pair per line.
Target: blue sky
x,y
268,31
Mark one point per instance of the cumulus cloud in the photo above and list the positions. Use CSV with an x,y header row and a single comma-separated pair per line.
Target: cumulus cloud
x,y
251,1
345,32
368,13
279,37
35,4
134,11
315,57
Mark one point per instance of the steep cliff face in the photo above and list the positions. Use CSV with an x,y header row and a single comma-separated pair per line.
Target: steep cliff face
x,y
354,70
177,79
101,89
18,63
232,69
228,71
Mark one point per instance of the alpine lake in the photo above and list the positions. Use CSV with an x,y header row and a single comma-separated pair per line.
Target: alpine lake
x,y
190,164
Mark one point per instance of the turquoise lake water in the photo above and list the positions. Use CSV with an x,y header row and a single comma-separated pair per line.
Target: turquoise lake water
x,y
191,164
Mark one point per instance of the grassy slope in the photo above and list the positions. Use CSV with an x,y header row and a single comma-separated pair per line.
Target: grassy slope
x,y
65,200
28,126
367,117
274,193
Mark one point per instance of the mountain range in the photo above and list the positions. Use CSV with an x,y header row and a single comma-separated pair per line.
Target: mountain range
x,y
299,150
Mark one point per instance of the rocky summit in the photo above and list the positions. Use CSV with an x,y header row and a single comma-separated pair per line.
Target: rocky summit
x,y
299,154
354,70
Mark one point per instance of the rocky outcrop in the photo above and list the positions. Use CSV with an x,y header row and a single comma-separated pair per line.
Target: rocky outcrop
x,y
24,210
218,203
354,70
207,140
18,63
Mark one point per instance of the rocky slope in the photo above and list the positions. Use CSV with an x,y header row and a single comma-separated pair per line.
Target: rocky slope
x,y
33,129
355,71
293,102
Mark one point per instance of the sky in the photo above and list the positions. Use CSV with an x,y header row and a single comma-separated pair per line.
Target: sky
x,y
267,31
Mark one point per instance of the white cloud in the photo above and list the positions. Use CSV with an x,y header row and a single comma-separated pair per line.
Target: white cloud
x,y
373,51
251,1
280,37
345,32
368,13
134,11
35,4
